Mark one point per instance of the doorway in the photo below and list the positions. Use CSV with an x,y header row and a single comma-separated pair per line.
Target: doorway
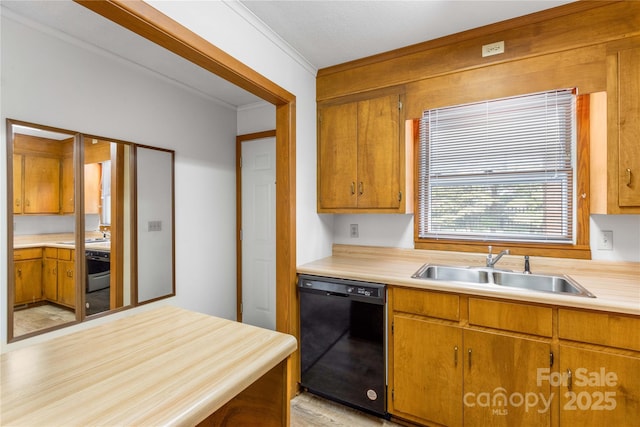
x,y
256,204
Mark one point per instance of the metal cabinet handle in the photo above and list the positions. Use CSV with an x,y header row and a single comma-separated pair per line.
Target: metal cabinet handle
x,y
353,188
569,379
19,272
360,188
28,203
455,356
628,177
17,202
469,358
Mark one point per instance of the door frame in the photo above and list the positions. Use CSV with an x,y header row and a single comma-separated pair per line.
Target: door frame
x,y
239,140
148,22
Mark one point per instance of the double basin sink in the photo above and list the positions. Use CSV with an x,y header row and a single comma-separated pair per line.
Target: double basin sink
x,y
562,285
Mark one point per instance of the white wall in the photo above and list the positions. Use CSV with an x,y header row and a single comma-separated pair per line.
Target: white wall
x,y
397,231
229,26
47,80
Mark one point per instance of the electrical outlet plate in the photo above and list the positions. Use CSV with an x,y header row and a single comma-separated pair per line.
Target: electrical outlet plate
x,y
353,230
493,49
605,243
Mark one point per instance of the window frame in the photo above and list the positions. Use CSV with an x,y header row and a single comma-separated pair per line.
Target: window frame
x,y
580,249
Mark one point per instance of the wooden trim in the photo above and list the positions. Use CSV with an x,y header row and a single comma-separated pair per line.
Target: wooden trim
x,y
471,34
149,23
599,23
239,140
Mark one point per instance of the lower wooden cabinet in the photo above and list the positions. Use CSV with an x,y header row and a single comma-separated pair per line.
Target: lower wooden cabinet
x,y
500,380
59,276
453,376
427,371
27,274
457,360
598,388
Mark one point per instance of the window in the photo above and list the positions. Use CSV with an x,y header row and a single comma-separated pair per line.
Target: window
x,y
500,170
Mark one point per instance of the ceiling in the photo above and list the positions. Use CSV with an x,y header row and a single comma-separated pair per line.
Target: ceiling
x,y
318,33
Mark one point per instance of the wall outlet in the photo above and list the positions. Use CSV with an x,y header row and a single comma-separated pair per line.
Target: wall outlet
x,y
493,49
605,242
353,230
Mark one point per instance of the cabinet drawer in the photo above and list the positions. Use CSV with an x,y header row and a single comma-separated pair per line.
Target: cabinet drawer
x,y
30,253
51,252
426,303
65,254
608,329
525,318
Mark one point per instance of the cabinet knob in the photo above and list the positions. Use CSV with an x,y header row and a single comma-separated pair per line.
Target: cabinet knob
x,y
19,272
69,273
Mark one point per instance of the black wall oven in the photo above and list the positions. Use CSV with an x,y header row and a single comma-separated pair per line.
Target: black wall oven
x,y
343,341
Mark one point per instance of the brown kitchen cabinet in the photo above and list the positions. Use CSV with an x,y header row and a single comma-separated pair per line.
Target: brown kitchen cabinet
x,y
59,282
616,158
363,161
41,185
66,277
598,388
600,352
27,268
67,186
427,371
454,360
17,184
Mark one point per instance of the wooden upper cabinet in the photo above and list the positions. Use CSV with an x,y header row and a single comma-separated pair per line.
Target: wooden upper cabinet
x,y
629,127
363,158
17,184
41,185
92,177
615,143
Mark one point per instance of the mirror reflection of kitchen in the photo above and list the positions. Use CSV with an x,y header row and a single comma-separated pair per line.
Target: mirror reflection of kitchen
x,y
47,287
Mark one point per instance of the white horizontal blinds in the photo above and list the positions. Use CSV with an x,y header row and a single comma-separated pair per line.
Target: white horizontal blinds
x,y
499,169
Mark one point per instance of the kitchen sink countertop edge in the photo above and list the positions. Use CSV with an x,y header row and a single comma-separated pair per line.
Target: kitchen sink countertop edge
x,y
616,285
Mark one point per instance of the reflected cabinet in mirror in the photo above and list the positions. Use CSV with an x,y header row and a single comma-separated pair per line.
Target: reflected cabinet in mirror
x,y
76,250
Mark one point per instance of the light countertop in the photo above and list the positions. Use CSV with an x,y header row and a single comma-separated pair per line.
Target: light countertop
x,y
615,284
168,366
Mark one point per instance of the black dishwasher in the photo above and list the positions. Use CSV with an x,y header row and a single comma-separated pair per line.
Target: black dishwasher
x,y
343,341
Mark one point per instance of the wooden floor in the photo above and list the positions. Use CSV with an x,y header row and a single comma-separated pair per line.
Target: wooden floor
x,y
308,410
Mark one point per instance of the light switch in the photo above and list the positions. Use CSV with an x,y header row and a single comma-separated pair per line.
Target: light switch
x,y
155,226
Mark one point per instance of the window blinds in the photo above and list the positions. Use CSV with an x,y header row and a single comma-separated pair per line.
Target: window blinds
x,y
499,170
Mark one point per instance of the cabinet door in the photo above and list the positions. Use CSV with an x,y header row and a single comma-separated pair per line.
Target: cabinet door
x,y
337,157
41,185
500,381
28,281
67,186
379,150
427,371
92,179
50,279
17,184
629,127
604,389
66,283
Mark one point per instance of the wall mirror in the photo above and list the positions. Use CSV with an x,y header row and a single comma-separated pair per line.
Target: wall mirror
x,y
76,250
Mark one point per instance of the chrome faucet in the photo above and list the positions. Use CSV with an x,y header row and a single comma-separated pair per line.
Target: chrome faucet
x,y
492,261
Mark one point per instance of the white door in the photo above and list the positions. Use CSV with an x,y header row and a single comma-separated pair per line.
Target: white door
x,y
258,164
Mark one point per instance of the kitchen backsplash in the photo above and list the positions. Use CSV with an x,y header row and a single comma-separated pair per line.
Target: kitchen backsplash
x,y
47,224
397,231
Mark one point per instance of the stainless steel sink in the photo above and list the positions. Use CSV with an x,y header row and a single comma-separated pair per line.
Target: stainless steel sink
x,y
452,274
562,285
542,283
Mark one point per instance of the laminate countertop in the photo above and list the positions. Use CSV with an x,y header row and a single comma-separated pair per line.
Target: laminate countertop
x,y
616,285
168,366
